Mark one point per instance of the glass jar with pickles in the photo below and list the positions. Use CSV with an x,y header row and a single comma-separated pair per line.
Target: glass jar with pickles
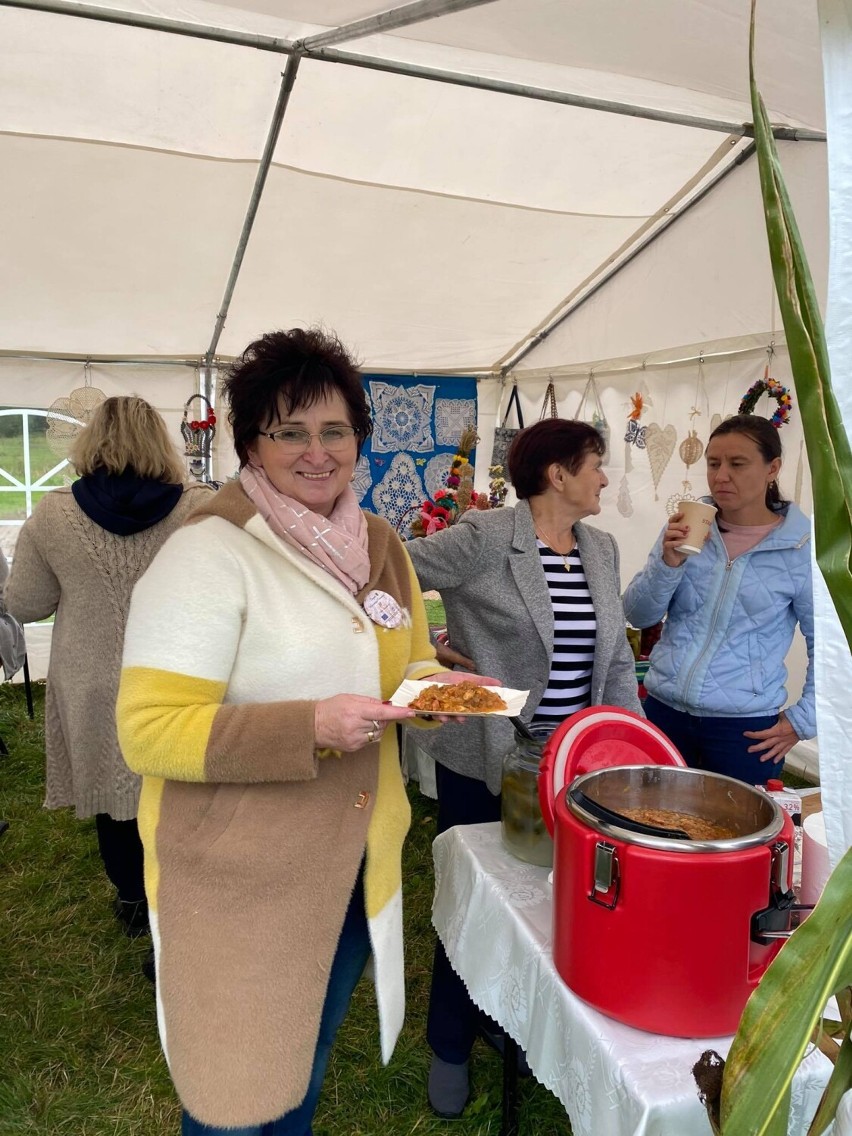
x,y
525,834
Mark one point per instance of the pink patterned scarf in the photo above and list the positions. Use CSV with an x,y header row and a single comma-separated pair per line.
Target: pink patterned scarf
x,y
337,543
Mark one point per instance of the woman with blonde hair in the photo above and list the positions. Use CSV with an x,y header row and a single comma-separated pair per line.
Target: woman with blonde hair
x,y
78,556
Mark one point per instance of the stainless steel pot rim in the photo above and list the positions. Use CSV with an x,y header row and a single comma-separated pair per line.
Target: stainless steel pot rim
x,y
754,839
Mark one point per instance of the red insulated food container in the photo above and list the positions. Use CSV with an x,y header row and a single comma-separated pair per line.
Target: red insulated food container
x,y
666,934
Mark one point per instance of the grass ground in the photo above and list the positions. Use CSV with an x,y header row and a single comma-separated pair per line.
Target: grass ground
x,y
435,612
79,1044
42,459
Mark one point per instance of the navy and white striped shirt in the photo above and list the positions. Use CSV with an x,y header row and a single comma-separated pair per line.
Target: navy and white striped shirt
x,y
574,631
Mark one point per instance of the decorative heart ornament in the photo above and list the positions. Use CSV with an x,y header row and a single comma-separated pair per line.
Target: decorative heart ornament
x,y
659,445
715,421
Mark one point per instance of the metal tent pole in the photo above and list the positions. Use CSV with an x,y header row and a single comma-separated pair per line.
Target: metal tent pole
x,y
207,387
743,156
113,361
414,13
637,363
287,81
393,18
373,63
564,98
196,361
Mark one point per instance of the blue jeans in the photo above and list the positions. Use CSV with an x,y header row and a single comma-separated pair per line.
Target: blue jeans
x,y
353,950
716,745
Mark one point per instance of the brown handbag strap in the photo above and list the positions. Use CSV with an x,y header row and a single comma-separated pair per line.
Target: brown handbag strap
x,y
548,407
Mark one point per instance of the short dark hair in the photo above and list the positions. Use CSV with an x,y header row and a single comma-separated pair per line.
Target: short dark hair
x,y
767,439
299,367
561,440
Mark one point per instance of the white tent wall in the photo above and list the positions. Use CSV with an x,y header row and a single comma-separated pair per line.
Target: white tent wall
x,y
833,659
38,382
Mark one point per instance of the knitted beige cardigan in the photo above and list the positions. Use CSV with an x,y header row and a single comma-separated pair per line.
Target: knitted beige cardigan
x,y
67,564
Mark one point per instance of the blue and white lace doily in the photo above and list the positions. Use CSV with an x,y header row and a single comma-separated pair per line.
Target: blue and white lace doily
x,y
436,471
362,479
398,492
402,417
452,417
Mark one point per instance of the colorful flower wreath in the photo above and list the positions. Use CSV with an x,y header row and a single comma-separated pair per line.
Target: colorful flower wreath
x,y
448,504
775,390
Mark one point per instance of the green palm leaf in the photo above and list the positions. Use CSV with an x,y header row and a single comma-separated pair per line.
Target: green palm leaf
x,y
827,443
779,1018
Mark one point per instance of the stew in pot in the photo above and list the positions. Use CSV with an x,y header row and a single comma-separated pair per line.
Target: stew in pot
x,y
696,828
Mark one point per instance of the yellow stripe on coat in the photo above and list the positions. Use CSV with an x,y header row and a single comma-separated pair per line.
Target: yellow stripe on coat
x,y
164,721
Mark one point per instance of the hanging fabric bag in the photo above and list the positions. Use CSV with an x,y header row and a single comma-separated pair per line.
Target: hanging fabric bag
x,y
504,435
590,410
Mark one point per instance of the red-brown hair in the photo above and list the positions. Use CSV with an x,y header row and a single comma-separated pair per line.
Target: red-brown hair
x,y
561,440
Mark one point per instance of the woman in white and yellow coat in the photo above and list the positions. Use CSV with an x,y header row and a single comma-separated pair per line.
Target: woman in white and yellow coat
x,y
260,649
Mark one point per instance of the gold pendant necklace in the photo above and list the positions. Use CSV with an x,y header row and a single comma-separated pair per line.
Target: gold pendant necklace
x,y
542,536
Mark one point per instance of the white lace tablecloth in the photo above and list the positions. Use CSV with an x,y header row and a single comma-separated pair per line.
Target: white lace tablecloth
x,y
493,913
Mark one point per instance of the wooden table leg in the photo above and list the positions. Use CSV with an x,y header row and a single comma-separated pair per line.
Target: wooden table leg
x,y
510,1087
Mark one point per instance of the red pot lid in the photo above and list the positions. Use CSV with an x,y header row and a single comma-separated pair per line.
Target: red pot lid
x,y
597,738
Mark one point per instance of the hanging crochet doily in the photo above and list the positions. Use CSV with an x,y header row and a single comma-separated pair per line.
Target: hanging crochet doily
x,y
66,417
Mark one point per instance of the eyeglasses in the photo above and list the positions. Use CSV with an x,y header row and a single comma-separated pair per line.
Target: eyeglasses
x,y
297,441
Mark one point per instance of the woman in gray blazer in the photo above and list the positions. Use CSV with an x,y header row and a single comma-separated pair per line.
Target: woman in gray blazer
x,y
532,595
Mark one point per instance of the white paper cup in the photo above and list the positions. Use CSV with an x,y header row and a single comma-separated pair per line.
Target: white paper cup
x,y
816,866
699,517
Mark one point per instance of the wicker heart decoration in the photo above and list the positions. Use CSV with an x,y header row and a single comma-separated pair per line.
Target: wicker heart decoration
x,y
715,421
659,445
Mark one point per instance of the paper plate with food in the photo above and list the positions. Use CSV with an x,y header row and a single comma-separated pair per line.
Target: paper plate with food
x,y
458,698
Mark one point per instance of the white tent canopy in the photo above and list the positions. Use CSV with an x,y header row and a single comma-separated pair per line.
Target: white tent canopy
x,y
518,188
434,226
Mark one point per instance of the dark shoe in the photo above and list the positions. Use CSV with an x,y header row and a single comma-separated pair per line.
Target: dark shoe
x,y
497,1040
149,968
133,917
449,1088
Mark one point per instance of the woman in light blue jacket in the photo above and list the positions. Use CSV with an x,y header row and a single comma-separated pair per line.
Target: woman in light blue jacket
x,y
716,685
